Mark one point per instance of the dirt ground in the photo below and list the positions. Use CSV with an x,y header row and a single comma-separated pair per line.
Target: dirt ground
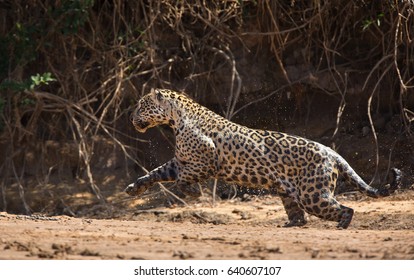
x,y
232,229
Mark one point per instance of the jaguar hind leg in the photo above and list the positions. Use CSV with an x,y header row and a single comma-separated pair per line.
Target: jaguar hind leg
x,y
295,214
339,213
345,217
192,190
323,205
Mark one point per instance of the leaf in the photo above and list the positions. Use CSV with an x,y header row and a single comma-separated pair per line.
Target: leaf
x,y
38,79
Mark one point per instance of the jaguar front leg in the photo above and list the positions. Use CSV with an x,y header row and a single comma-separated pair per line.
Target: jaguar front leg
x,y
190,175
167,172
189,189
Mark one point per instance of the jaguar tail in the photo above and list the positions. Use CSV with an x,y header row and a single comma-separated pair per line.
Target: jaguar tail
x,y
355,180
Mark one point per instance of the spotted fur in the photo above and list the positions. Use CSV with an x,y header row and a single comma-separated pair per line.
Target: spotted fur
x,y
302,172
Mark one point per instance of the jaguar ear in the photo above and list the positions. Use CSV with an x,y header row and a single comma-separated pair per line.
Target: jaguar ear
x,y
157,94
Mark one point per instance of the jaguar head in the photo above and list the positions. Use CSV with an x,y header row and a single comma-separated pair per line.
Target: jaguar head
x,y
150,111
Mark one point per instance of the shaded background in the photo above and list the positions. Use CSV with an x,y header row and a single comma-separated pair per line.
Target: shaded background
x,y
338,72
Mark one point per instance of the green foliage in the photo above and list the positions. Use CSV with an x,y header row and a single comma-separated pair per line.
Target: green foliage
x,y
39,80
14,86
73,15
368,22
21,44
18,47
30,84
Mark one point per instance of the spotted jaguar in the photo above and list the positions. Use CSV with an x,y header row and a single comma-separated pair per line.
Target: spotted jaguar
x,y
303,173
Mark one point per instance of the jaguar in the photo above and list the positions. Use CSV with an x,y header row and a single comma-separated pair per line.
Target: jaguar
x,y
303,173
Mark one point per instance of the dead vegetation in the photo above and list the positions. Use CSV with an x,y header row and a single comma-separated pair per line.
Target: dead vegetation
x,y
70,71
